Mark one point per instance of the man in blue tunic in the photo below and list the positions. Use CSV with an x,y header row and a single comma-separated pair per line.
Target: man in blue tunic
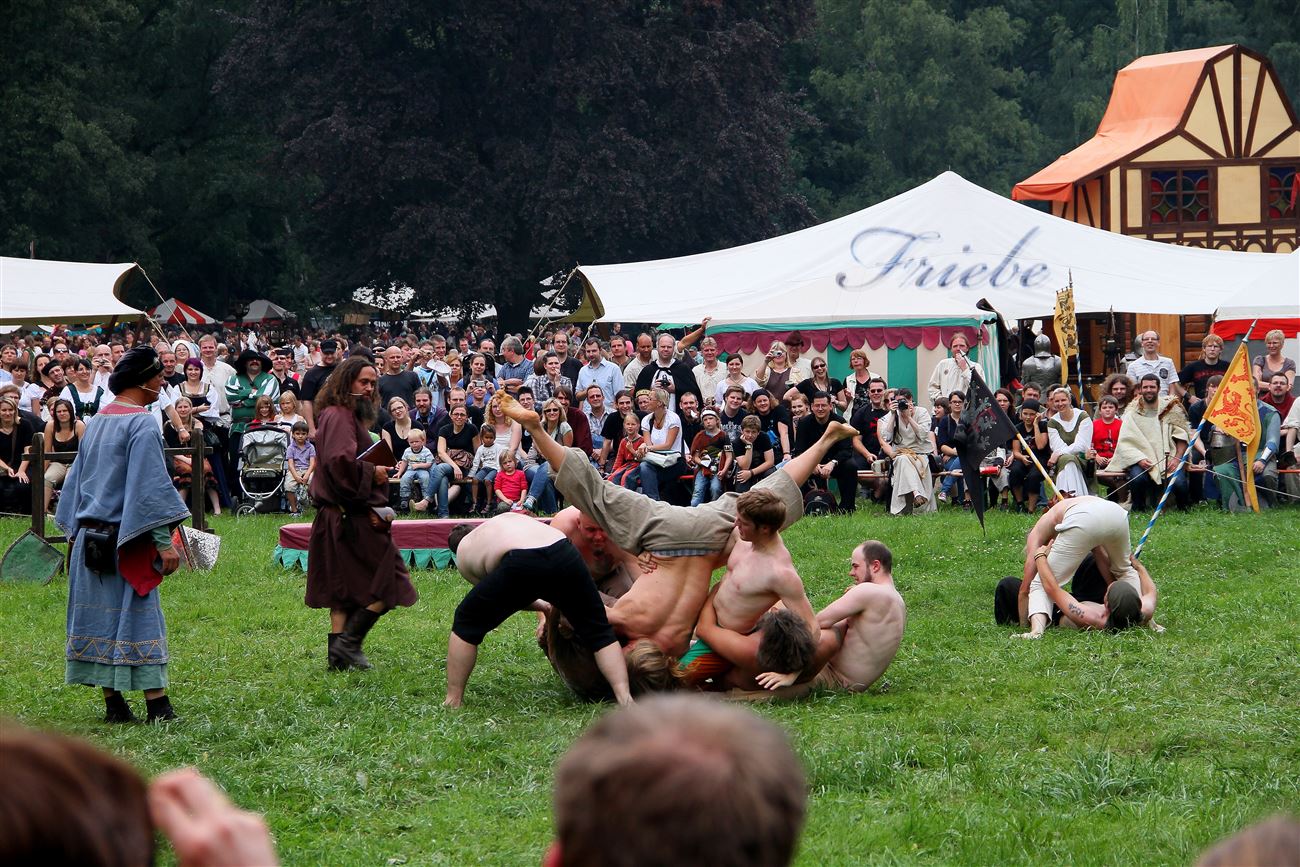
x,y
118,508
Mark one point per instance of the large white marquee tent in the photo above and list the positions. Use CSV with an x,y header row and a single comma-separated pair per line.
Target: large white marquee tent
x,y
42,291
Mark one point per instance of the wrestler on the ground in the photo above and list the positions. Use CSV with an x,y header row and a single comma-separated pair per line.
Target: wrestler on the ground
x,y
1075,526
353,567
517,563
859,633
1121,607
688,543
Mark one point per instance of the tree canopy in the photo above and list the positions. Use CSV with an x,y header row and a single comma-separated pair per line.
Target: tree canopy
x,y
300,150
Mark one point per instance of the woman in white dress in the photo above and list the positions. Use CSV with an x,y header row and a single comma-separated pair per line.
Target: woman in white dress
x,y
1069,436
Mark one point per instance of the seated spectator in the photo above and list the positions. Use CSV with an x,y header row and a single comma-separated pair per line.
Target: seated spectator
x,y
627,463
945,446
776,423
264,414
688,410
755,458
457,442
66,802
819,381
299,467
1204,486
1273,361
415,468
1227,455
545,383
541,490
866,445
1290,457
735,377
679,780
182,465
612,429
838,463
1105,433
577,420
63,433
774,372
710,457
857,389
661,451
1120,387
510,486
288,415
15,439
1279,394
1151,442
1024,475
1152,363
733,411
1069,436
905,439
597,413
798,409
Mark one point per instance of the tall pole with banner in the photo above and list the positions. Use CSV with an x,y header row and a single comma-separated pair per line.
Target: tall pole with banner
x,y
1067,334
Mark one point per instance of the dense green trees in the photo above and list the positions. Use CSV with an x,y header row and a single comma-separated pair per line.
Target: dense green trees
x,y
302,149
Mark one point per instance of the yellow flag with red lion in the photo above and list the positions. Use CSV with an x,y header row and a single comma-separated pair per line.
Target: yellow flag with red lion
x,y
1235,412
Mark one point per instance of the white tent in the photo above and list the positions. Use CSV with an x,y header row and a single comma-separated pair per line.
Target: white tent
x,y
928,254
262,311
1271,301
43,291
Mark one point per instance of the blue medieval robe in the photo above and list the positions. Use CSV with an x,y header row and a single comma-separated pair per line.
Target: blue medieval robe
x,y
116,637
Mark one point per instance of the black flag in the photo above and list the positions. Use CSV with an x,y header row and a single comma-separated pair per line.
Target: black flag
x,y
984,428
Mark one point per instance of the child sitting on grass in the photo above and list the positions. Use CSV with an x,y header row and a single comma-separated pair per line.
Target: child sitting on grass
x,y
510,486
414,467
483,472
627,462
300,466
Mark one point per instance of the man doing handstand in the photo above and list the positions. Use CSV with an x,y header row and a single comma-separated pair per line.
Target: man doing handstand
x,y
517,563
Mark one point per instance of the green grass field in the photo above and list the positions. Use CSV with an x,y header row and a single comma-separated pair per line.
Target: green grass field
x,y
975,749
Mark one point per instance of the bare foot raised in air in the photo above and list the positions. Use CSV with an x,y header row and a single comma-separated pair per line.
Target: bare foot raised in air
x,y
838,430
512,410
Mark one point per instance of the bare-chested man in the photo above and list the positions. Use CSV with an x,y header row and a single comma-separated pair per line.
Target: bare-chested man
x,y
612,568
687,543
1120,607
859,633
1074,526
517,563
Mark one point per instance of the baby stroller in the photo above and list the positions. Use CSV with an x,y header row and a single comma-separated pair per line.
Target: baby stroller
x,y
262,454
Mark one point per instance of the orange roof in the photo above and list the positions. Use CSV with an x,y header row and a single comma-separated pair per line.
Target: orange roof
x,y
1148,101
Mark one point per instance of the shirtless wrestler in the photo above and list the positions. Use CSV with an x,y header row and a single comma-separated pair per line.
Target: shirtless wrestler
x,y
1074,526
612,568
687,543
859,633
517,563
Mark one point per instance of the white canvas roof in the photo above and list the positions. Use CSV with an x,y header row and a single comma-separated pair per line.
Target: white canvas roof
x,y
44,291
1274,294
929,253
263,310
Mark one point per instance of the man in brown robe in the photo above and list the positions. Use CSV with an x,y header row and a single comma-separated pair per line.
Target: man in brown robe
x,y
353,567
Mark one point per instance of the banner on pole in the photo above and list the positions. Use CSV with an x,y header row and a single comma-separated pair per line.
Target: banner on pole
x,y
986,427
1067,329
1235,411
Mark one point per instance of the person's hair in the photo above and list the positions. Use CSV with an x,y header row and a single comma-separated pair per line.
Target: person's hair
x,y
514,344
337,390
818,395
708,341
396,398
762,507
193,362
72,414
458,532
1108,398
722,784
787,644
733,388
1149,377
567,393
1110,381
1211,339
65,802
1069,395
1274,842
1011,398
593,341
553,403
941,403
524,389
1275,332
1277,374
649,669
751,422
300,426
1124,606
860,353
263,401
1214,380
661,395
960,395
904,392
758,392
873,550
507,455
487,430
293,397
417,432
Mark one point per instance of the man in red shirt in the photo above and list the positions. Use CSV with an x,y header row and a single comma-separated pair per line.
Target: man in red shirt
x,y
1279,394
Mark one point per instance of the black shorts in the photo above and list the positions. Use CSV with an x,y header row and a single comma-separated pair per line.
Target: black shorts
x,y
556,574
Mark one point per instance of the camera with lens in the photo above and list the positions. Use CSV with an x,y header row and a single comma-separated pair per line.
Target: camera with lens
x,y
903,405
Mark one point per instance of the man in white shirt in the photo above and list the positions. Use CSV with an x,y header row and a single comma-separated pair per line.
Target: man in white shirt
x,y
1152,361
708,373
953,374
216,372
598,371
645,347
801,368
101,362
301,355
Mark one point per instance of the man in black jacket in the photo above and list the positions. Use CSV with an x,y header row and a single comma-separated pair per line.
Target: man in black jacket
x,y
838,464
674,375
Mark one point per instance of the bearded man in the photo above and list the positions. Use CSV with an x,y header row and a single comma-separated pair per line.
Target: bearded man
x,y
1151,443
353,567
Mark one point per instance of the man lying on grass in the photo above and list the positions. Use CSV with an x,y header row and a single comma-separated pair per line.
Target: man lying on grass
x,y
859,635
1121,605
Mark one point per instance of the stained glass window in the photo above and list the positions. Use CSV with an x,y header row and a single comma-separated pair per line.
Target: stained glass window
x,y
1281,184
1179,197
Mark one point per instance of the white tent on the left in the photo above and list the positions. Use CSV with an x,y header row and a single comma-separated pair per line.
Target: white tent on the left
x,y
41,291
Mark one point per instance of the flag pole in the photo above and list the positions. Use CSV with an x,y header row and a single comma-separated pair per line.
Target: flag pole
x,y
1053,493
1169,483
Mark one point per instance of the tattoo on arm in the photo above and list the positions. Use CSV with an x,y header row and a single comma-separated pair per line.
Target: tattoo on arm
x,y
1075,610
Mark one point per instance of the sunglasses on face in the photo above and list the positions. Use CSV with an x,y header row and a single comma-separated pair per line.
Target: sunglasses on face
x,y
819,367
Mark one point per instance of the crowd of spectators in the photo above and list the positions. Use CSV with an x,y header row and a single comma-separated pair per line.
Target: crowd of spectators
x,y
672,418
